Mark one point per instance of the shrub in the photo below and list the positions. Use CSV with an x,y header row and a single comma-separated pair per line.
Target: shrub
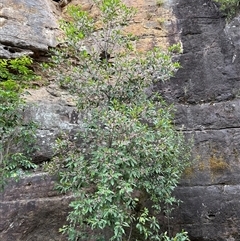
x,y
127,158
16,137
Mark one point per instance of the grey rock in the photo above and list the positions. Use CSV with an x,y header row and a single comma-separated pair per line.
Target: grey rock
x,y
52,119
32,210
206,93
208,213
27,27
208,73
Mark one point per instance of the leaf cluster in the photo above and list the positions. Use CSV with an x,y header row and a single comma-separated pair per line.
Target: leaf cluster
x,y
16,137
18,70
230,7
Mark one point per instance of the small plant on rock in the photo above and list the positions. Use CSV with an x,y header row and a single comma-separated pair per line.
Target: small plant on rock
x,y
230,7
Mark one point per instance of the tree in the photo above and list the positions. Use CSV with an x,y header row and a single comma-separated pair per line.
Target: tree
x,y
127,158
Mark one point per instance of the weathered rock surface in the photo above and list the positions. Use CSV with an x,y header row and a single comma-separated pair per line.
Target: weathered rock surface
x,y
209,212
31,210
52,120
27,27
206,93
209,70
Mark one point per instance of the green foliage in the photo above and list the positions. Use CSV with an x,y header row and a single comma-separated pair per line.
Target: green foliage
x,y
175,48
230,7
179,237
127,159
15,135
17,70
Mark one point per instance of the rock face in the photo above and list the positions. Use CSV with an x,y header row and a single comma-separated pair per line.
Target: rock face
x,y
31,210
27,27
205,90
52,118
209,62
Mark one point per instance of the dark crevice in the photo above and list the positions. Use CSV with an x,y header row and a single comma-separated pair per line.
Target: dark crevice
x,y
4,17
51,28
38,159
212,18
207,185
210,129
13,49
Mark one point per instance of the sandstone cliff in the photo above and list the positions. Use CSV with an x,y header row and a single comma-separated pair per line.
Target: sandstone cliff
x,y
205,91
